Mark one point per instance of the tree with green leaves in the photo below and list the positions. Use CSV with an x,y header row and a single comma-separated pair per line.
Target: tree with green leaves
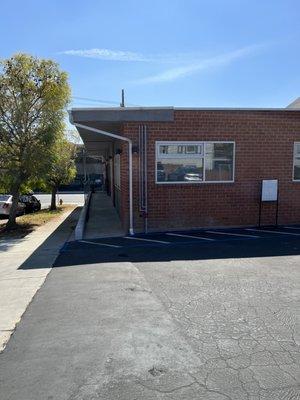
x,y
62,169
34,94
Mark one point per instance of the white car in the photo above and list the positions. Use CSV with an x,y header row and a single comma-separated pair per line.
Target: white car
x,y
192,177
6,203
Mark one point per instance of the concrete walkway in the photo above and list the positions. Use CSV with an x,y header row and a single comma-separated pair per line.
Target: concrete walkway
x,y
104,220
24,265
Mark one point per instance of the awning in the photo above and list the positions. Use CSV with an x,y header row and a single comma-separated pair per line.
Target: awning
x,y
112,120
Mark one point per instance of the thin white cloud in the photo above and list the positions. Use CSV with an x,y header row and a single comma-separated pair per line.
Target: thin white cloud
x,y
118,55
201,65
187,63
130,56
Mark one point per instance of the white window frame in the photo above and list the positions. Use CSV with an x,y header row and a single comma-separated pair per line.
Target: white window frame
x,y
294,161
159,156
179,155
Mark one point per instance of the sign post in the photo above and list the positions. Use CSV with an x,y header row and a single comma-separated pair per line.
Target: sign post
x,y
269,193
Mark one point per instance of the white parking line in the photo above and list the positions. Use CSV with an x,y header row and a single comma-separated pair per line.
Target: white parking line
x,y
190,236
292,227
232,234
100,244
278,232
146,240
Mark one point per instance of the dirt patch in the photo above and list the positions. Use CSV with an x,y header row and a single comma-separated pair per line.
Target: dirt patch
x,y
29,222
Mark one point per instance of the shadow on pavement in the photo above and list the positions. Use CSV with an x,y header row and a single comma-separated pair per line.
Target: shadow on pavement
x,y
9,238
44,256
7,243
76,253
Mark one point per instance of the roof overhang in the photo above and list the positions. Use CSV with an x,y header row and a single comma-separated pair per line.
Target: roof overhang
x,y
122,114
112,120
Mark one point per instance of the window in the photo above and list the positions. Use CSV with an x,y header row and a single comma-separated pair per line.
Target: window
x,y
194,162
4,197
218,162
296,175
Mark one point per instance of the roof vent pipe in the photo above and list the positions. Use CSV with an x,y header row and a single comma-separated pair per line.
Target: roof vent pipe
x,y
122,104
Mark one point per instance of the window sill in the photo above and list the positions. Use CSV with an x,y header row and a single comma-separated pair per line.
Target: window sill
x,y
194,183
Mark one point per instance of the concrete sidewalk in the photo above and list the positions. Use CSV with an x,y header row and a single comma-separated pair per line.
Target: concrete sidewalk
x,y
24,265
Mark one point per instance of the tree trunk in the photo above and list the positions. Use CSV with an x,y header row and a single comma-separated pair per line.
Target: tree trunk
x,y
11,223
53,198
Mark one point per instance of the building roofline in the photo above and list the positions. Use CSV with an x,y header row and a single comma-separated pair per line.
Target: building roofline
x,y
120,115
295,104
233,109
124,109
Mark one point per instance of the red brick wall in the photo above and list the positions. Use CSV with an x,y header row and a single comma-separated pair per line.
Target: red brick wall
x,y
263,150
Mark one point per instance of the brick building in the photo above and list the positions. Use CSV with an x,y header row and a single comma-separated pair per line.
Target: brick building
x,y
178,168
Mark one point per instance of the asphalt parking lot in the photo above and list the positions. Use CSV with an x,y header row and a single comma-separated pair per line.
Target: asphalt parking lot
x,y
163,317
181,245
202,236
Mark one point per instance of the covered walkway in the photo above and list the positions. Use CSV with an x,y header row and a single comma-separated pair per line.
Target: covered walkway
x,y
104,220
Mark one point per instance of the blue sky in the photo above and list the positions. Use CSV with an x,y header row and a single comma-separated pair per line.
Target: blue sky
x,y
213,53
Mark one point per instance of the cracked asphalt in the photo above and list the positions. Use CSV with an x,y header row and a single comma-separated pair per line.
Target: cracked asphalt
x,y
200,321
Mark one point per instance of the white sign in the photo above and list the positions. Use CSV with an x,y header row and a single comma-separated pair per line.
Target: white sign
x,y
269,191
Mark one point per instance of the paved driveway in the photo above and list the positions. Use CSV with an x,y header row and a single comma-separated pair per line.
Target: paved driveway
x,y
211,320
67,198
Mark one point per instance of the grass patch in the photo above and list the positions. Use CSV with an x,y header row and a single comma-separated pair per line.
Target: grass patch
x,y
29,222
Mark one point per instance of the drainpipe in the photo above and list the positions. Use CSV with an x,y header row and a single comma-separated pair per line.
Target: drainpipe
x,y
112,135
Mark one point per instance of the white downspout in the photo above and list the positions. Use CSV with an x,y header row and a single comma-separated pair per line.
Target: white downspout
x,y
131,232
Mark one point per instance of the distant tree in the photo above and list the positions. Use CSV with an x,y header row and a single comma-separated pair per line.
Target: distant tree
x,y
33,96
62,168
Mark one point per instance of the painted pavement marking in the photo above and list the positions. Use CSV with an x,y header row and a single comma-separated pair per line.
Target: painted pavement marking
x,y
190,236
100,244
232,234
278,232
146,240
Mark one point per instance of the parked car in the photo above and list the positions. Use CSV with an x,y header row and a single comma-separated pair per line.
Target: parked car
x,y
31,203
181,173
96,184
6,203
192,177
